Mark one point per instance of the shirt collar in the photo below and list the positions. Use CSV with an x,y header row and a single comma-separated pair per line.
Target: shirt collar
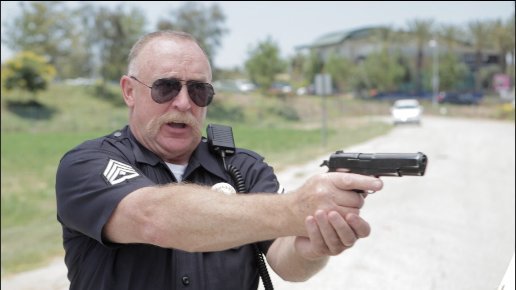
x,y
201,157
141,154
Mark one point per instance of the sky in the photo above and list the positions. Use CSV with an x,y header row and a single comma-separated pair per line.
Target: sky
x,y
292,23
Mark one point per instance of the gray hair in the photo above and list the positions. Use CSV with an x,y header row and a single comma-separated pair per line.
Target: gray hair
x,y
144,40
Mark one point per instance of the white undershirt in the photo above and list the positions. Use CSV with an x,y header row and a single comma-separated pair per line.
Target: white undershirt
x,y
177,170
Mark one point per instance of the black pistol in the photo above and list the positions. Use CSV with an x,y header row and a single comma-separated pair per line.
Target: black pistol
x,y
379,164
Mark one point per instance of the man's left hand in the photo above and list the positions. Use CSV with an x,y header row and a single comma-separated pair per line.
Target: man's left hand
x,y
330,234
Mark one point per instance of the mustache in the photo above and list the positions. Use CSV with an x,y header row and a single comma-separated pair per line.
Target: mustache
x,y
179,117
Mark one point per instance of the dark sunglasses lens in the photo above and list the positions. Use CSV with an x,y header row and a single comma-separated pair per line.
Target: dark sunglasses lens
x,y
164,90
201,93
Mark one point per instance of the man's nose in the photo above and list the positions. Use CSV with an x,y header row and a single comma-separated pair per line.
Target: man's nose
x,y
182,101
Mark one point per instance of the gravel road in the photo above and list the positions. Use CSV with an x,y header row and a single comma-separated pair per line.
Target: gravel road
x,y
454,228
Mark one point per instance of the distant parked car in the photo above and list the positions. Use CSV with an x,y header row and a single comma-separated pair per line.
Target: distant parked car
x,y
245,86
280,88
235,86
460,98
406,111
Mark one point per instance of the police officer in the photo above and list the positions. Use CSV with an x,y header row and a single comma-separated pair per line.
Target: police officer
x,y
138,208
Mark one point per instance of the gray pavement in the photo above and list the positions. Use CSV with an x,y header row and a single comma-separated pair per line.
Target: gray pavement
x,y
451,229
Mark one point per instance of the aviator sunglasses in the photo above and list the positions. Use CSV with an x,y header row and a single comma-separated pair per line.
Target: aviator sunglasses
x,y
164,90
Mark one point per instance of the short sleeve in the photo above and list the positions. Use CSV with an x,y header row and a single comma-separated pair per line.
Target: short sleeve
x,y
89,185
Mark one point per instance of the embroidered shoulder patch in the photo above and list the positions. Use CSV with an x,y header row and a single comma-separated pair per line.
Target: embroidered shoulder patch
x,y
117,172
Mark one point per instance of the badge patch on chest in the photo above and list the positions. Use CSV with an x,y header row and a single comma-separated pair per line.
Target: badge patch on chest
x,y
225,188
117,172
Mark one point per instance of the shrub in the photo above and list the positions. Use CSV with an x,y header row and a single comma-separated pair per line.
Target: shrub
x,y
27,71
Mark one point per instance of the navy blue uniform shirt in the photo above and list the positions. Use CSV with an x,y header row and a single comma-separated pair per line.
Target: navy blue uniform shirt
x,y
96,175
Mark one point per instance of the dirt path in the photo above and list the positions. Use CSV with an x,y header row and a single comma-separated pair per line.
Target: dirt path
x,y
51,277
454,228
451,229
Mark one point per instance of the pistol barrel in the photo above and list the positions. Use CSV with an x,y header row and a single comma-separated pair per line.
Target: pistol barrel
x,y
379,164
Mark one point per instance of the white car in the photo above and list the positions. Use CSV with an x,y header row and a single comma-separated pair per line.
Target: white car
x,y
245,86
406,111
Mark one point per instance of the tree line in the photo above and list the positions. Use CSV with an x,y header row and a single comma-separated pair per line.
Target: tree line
x,y
93,41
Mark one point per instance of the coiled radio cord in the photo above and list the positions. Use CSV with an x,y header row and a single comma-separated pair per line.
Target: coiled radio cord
x,y
262,267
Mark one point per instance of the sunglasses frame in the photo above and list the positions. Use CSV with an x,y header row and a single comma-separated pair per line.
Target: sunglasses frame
x,y
189,85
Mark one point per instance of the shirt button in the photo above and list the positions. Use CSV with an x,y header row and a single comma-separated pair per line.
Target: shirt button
x,y
117,134
185,280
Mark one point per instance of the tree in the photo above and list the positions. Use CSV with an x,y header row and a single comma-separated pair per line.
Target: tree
x,y
452,72
312,66
384,71
205,24
116,30
78,42
79,59
264,63
480,35
341,69
27,71
511,27
386,36
450,36
503,39
421,32
48,28
296,64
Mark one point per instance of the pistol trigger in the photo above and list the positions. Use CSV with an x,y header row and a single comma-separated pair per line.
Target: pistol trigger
x,y
361,192
364,193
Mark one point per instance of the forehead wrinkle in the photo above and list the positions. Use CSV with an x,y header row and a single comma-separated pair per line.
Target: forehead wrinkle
x,y
173,58
187,68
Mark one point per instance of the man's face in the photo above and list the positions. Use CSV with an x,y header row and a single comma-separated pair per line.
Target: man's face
x,y
172,129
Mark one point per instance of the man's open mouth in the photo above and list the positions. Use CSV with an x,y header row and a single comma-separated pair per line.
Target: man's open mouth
x,y
177,125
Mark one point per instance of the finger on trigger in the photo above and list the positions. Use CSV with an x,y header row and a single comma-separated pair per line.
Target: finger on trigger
x,y
350,181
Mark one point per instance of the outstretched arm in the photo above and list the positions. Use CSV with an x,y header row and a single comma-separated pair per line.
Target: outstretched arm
x,y
195,218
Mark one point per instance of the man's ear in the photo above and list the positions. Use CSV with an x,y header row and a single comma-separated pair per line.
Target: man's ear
x,y
127,91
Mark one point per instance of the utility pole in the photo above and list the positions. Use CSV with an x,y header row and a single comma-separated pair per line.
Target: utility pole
x,y
323,88
435,70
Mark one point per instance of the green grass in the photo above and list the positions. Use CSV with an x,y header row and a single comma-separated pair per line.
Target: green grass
x,y
31,235
30,231
285,131
34,139
282,147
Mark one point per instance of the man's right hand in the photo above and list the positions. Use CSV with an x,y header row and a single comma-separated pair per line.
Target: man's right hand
x,y
332,193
